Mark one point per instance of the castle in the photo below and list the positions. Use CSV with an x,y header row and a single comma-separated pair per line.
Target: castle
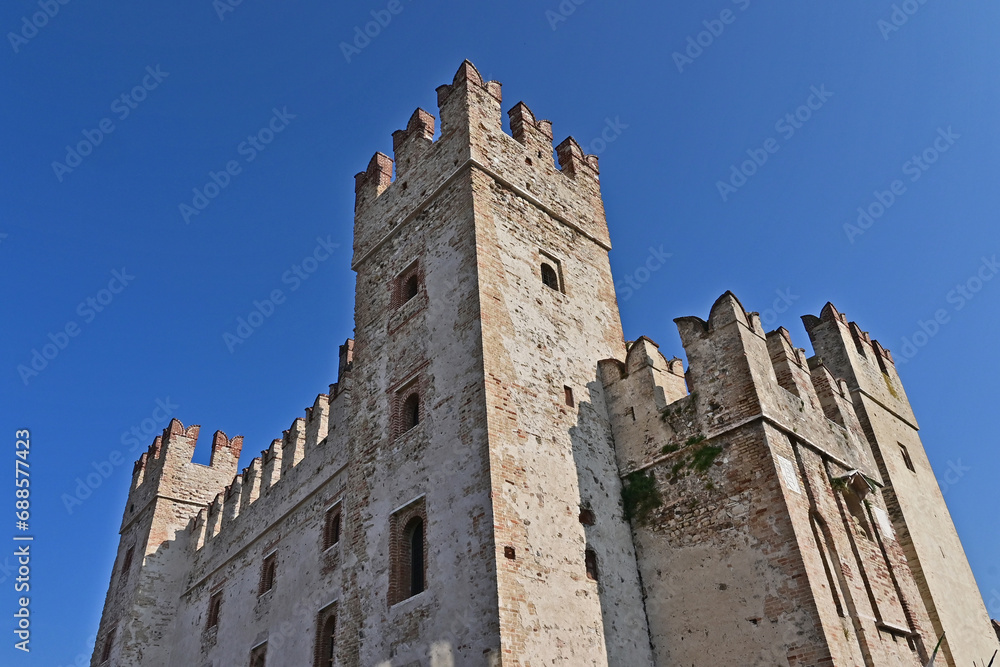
x,y
498,478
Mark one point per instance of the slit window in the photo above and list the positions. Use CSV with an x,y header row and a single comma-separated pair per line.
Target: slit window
x,y
108,643
408,551
590,558
214,608
267,573
414,540
568,392
906,457
127,563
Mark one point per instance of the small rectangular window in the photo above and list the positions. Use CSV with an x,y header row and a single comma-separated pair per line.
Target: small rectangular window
x,y
267,573
906,457
569,396
214,608
406,286
550,270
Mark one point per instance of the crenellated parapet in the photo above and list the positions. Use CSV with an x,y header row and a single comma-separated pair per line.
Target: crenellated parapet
x,y
166,469
410,145
307,437
851,353
472,136
737,373
763,473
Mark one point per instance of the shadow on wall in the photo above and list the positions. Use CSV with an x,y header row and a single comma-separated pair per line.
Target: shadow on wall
x,y
607,558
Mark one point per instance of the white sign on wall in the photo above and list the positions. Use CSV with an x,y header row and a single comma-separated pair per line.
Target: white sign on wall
x,y
788,472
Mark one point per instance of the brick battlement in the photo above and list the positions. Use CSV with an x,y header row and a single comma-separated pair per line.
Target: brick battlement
x,y
472,136
306,441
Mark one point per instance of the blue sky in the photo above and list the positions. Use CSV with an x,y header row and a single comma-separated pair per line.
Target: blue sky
x,y
198,83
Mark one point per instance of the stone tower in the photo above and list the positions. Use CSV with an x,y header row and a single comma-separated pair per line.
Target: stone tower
x,y
913,497
167,490
484,289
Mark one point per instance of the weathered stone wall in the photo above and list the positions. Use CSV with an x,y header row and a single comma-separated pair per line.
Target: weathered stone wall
x,y
916,505
759,532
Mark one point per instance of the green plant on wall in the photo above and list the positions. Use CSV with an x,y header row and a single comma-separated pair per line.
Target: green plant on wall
x,y
704,456
640,496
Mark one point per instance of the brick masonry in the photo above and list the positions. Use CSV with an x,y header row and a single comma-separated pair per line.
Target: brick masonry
x,y
763,518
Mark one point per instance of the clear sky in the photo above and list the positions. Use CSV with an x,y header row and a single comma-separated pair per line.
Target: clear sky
x,y
670,118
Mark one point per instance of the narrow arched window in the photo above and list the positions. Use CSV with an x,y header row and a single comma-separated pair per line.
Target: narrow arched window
x,y
414,535
126,564
327,642
549,277
411,411
331,528
267,574
214,610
